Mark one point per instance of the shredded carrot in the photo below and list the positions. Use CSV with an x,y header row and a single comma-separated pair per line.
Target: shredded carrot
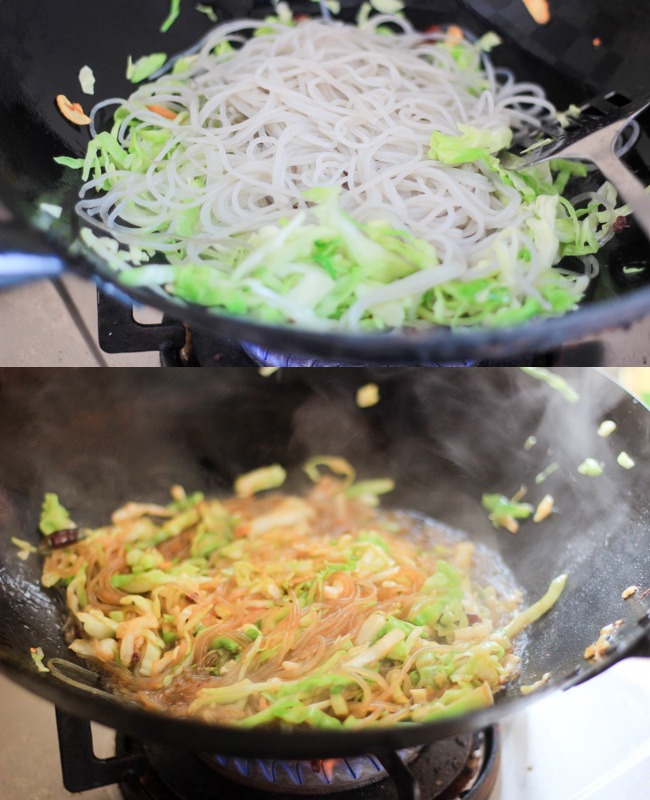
x,y
241,530
454,34
164,112
596,42
538,10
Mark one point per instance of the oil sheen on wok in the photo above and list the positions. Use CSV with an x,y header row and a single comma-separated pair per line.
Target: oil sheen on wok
x,y
268,608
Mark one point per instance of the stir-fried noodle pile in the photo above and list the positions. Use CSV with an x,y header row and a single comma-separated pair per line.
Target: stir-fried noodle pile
x,y
319,610
340,176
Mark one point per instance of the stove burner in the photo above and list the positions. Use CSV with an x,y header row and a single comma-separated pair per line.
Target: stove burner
x,y
321,776
460,767
119,332
264,357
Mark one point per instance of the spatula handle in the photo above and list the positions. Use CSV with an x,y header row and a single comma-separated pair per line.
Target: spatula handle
x,y
628,186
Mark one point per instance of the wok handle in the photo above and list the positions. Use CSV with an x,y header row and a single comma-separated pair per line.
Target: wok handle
x,y
24,257
80,766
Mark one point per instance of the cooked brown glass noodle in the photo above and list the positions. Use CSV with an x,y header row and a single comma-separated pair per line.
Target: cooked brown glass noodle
x,y
320,611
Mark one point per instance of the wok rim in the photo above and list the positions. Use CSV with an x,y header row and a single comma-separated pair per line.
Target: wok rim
x,y
294,744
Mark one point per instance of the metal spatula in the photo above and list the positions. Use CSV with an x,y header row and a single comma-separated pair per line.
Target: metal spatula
x,y
591,137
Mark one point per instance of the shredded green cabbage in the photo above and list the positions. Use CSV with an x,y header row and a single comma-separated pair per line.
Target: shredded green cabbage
x,y
172,16
489,41
38,656
140,70
24,548
543,475
325,267
504,513
554,380
606,428
54,517
538,609
207,10
259,480
624,460
591,468
473,144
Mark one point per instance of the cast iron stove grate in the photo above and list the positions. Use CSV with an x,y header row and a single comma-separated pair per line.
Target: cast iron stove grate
x,y
180,346
463,767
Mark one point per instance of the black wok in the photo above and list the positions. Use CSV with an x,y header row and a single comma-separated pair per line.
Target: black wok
x,y
445,436
43,46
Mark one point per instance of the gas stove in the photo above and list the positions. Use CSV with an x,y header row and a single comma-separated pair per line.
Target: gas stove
x,y
179,345
462,767
590,743
64,323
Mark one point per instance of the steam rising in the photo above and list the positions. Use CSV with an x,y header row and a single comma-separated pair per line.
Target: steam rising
x,y
447,438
